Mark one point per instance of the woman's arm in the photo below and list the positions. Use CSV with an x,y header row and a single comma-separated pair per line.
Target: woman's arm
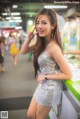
x,y
65,73
62,63
26,47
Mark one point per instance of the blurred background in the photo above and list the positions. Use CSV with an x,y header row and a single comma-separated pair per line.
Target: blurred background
x,y
17,82
19,15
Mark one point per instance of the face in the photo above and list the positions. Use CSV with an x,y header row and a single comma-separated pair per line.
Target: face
x,y
43,26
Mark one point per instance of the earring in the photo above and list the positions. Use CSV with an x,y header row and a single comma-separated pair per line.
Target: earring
x,y
51,34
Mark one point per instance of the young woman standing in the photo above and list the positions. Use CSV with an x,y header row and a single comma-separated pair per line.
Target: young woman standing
x,y
49,63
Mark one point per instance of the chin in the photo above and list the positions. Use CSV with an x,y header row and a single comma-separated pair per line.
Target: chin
x,y
41,35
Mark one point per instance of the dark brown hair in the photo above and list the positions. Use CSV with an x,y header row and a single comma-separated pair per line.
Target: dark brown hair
x,y
55,35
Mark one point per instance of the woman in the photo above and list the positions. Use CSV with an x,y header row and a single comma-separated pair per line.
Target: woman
x,y
1,60
49,63
14,51
2,45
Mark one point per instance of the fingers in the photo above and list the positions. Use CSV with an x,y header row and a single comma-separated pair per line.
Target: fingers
x,y
36,33
34,29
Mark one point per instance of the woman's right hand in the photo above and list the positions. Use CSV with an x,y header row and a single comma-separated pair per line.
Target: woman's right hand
x,y
31,34
26,47
41,77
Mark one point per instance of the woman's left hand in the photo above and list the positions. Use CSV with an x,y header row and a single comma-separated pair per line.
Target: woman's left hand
x,y
40,77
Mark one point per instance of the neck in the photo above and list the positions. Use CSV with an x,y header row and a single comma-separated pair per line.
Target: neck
x,y
47,40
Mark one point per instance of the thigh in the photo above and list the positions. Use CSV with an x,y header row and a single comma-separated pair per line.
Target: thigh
x,y
42,112
32,108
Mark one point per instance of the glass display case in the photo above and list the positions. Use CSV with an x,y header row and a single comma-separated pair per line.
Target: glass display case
x,y
71,34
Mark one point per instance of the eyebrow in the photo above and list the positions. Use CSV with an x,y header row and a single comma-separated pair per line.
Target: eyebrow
x,y
42,20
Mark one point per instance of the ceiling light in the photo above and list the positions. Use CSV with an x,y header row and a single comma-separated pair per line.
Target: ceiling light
x,y
56,6
11,20
8,18
17,20
4,14
15,6
16,17
18,27
13,13
30,22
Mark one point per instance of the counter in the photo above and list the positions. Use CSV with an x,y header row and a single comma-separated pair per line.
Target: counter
x,y
71,97
70,107
74,87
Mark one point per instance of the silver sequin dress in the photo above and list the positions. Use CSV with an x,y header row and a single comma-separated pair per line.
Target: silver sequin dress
x,y
48,92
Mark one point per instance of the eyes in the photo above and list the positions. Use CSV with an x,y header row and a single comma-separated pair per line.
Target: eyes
x,y
43,23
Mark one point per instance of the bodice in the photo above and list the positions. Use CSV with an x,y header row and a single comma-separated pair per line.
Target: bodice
x,y
47,65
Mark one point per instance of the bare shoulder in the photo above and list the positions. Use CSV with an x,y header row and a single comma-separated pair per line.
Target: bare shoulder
x,y
54,47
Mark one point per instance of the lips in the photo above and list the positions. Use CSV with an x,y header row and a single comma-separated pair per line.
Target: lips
x,y
40,32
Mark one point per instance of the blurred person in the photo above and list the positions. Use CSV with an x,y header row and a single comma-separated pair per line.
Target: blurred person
x,y
2,47
51,68
1,62
14,51
2,41
21,39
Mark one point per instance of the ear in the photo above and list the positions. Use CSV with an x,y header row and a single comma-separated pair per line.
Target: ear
x,y
52,27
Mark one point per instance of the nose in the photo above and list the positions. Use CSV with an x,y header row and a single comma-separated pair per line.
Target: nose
x,y
39,25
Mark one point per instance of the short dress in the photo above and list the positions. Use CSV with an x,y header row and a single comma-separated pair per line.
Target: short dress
x,y
13,49
48,92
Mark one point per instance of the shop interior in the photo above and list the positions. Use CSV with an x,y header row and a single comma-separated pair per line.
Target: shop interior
x,y
17,83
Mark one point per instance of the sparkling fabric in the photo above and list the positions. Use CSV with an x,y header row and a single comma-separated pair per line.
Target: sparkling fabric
x,y
48,92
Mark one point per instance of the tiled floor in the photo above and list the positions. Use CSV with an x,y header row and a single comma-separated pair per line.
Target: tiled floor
x,y
17,114
17,84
